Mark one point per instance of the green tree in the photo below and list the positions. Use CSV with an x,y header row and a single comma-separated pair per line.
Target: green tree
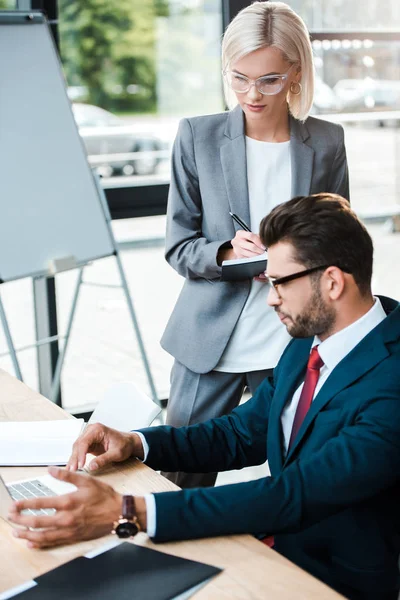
x,y
89,29
109,47
135,58
189,65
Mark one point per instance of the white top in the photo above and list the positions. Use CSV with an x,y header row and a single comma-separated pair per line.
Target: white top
x,y
332,351
259,337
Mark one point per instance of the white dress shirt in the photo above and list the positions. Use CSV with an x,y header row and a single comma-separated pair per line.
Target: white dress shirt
x,y
332,351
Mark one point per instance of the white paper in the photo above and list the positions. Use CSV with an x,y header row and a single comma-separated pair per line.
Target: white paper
x,y
32,443
192,591
18,589
243,261
104,548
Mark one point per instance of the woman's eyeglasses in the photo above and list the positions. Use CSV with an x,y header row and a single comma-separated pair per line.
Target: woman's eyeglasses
x,y
268,85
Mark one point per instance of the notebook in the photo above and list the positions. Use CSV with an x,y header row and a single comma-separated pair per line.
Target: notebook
x,y
240,269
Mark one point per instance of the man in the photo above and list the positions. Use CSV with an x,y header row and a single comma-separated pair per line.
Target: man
x,y
328,422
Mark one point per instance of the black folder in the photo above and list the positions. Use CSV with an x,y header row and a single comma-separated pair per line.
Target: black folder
x,y
126,572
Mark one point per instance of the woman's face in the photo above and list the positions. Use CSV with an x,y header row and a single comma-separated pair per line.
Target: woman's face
x,y
266,61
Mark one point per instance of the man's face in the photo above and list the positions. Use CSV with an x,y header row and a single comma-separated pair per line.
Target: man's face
x,y
299,304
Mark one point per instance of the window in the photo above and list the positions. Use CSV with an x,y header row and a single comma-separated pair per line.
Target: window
x,y
342,15
147,63
356,74
357,57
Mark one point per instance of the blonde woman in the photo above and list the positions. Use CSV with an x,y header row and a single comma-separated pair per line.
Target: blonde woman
x,y
262,152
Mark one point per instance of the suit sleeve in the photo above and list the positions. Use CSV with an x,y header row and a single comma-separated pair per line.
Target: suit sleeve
x,y
339,180
234,441
358,463
186,248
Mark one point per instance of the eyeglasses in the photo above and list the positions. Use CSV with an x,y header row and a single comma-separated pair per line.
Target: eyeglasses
x,y
275,281
268,85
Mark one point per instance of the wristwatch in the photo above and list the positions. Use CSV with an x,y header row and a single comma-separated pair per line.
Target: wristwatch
x,y
127,525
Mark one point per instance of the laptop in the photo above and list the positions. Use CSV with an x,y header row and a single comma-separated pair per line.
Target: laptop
x,y
36,487
124,407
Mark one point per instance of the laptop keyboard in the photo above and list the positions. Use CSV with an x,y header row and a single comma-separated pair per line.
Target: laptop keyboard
x,y
32,489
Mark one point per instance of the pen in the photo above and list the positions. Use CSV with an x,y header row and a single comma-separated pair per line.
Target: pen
x,y
240,222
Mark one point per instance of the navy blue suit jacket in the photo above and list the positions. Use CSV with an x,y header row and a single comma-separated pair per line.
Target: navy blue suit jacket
x,y
333,502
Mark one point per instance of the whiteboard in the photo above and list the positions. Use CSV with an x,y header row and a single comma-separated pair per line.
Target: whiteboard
x,y
50,208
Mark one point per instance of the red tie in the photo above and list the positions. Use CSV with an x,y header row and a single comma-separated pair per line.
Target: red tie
x,y
314,365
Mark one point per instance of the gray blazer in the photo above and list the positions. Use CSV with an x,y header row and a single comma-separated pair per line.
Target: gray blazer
x,y
208,180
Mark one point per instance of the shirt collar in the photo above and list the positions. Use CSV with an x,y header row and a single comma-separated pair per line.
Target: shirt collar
x,y
337,346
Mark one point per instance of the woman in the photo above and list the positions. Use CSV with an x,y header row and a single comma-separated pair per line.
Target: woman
x,y
262,152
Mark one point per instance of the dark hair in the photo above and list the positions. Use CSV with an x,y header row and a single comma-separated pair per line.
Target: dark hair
x,y
323,230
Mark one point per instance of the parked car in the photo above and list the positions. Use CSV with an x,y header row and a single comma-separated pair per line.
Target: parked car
x,y
325,99
368,93
105,134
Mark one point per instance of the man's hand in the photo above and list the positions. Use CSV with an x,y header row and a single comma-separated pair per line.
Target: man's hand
x,y
85,514
108,445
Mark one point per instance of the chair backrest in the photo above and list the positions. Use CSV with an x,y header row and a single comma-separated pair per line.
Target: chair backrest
x,y
125,407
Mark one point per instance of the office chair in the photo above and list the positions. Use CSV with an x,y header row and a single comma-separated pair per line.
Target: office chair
x,y
125,407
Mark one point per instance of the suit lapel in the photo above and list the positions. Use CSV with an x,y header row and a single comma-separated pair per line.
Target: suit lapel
x,y
302,158
368,353
233,161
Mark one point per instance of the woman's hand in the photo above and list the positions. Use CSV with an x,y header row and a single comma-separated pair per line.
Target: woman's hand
x,y
246,244
262,278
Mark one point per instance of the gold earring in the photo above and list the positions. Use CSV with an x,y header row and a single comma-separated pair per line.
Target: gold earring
x,y
295,88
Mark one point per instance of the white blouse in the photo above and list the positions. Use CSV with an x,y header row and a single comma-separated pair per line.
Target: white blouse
x,y
259,337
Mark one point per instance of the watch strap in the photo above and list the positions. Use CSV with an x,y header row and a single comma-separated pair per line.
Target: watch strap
x,y
128,507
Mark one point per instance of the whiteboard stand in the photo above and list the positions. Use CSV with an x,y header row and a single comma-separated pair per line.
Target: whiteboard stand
x,y
55,387
45,316
10,343
66,263
124,285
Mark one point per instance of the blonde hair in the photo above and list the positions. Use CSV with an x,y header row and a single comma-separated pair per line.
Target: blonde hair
x,y
275,24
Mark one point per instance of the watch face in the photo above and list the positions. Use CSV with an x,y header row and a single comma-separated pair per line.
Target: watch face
x,y
126,530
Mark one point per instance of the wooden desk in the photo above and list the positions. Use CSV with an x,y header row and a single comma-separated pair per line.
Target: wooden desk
x,y
251,569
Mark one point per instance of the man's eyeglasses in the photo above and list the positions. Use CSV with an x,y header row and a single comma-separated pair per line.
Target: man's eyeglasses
x,y
275,281
268,85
